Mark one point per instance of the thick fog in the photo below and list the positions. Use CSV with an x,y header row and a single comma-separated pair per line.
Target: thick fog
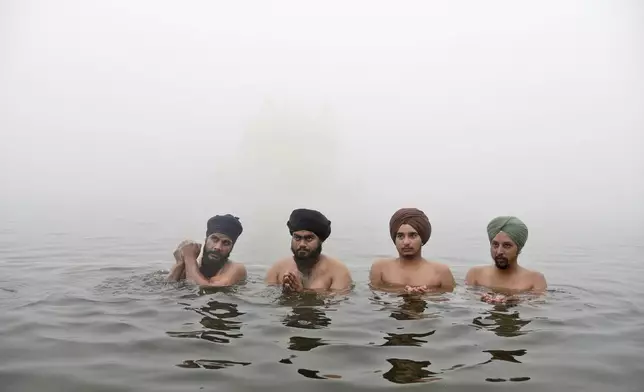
x,y
461,108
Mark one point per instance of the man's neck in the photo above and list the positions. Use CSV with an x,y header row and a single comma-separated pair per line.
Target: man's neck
x,y
409,261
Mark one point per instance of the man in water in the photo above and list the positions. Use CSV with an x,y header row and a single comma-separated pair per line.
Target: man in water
x,y
507,236
410,230
309,269
216,269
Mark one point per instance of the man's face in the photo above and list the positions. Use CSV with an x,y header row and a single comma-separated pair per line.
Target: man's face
x,y
305,245
504,251
408,242
218,247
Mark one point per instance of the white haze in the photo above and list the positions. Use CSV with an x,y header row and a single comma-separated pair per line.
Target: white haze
x,y
466,109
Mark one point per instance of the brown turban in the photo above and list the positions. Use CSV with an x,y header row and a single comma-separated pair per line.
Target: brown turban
x,y
413,217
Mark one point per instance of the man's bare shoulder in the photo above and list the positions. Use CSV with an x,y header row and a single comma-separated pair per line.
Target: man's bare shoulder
x,y
285,261
383,262
336,264
236,265
475,273
438,266
479,269
535,276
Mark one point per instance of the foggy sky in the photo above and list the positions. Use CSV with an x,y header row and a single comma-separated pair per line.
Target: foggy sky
x,y
460,108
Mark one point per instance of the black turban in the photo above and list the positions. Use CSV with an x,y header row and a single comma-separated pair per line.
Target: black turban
x,y
225,224
309,220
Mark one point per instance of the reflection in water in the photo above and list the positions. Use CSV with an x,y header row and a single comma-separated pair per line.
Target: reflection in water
x,y
219,327
507,356
217,321
404,371
307,314
307,317
412,307
503,355
301,343
210,364
307,311
316,374
406,339
502,322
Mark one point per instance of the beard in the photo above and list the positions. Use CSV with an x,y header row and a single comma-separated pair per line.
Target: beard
x,y
305,259
211,262
501,263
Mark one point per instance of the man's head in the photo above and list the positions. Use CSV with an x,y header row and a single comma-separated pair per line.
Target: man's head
x,y
222,232
308,229
507,235
410,230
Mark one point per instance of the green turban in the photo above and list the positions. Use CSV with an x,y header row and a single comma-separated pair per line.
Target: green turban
x,y
510,225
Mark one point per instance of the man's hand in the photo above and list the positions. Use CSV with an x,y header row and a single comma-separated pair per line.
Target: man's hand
x,y
178,256
494,298
292,283
416,289
188,249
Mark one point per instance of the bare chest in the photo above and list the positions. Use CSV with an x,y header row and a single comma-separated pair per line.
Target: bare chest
x,y
317,279
510,283
402,277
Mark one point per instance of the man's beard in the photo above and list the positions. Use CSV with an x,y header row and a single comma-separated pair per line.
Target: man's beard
x,y
211,262
501,263
306,262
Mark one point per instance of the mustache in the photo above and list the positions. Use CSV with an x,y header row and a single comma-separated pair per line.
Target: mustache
x,y
209,254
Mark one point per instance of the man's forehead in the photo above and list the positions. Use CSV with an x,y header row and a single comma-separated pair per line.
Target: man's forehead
x,y
406,228
221,236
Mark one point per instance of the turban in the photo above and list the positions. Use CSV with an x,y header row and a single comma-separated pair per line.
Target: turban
x,y
413,217
309,220
225,224
510,225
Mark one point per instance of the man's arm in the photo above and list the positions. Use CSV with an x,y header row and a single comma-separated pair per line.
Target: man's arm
x,y
342,281
375,274
233,275
192,271
272,276
447,279
540,284
177,273
470,277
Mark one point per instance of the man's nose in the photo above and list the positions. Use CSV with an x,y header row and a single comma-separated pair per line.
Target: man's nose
x,y
406,240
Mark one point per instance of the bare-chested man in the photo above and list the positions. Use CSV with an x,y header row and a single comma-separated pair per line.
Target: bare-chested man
x,y
309,269
508,236
410,230
215,269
